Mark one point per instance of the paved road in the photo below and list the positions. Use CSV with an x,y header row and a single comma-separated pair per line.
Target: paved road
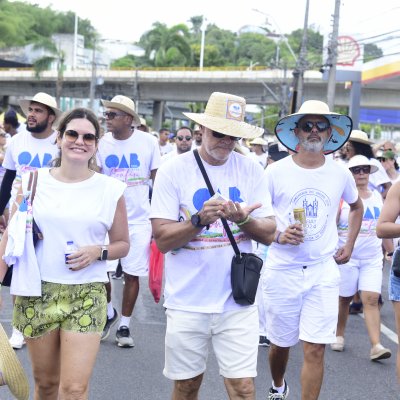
x,y
136,374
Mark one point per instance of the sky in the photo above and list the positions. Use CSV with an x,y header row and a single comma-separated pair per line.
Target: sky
x,y
129,19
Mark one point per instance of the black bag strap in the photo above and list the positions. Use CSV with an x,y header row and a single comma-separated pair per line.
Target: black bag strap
x,y
211,190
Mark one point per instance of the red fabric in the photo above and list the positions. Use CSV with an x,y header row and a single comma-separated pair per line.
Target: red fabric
x,y
156,269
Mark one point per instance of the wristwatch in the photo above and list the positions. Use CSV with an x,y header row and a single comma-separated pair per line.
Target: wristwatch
x,y
103,253
195,220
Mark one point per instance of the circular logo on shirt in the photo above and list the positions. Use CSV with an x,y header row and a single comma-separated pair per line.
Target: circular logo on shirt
x,y
316,205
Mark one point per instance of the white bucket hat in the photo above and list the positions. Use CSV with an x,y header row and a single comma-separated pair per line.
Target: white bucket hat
x,y
11,372
225,113
42,98
359,137
341,126
259,141
359,160
124,104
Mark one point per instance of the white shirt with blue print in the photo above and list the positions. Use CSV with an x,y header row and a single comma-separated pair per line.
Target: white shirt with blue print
x,y
131,161
197,276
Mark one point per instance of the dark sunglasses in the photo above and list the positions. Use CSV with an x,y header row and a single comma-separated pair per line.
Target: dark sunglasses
x,y
309,125
381,159
357,170
72,136
218,135
180,138
111,114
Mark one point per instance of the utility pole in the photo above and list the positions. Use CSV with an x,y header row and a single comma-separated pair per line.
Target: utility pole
x,y
203,36
93,80
332,58
301,66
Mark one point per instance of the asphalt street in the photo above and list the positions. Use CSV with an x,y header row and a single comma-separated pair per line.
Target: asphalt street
x,y
136,374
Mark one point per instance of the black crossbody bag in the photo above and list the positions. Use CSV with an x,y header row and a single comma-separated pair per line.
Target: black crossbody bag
x,y
245,267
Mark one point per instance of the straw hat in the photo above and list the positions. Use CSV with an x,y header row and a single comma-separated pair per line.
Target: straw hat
x,y
259,141
341,126
11,372
225,113
124,104
42,98
359,137
359,160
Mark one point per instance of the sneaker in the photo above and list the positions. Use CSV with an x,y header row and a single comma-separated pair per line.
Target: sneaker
x,y
16,340
355,308
339,345
378,352
274,395
264,341
124,338
110,322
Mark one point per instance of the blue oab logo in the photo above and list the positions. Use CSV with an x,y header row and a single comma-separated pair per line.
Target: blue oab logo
x,y
113,161
26,158
202,195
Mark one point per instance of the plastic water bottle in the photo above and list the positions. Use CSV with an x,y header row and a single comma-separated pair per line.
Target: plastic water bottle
x,y
69,249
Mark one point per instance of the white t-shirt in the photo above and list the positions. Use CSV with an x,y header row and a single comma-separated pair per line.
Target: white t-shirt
x,y
82,212
367,245
168,156
166,148
261,159
197,276
131,161
318,191
26,153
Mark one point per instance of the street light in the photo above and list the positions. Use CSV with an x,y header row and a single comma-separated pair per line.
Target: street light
x,y
203,36
283,37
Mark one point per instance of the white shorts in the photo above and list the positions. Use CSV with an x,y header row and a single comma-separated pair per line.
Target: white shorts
x,y
361,275
233,334
137,261
302,303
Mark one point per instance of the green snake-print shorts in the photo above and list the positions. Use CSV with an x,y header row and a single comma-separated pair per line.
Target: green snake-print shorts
x,y
77,308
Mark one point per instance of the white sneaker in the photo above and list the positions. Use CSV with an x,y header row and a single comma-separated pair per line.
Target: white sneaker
x,y
378,352
17,340
339,345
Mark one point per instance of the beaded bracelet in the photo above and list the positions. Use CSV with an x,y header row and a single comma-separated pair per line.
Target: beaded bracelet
x,y
245,221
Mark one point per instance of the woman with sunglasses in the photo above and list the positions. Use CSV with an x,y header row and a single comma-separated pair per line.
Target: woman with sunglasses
x,y
62,327
364,270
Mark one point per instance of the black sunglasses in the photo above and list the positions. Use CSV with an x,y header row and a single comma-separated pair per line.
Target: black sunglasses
x,y
357,170
180,138
218,135
72,136
321,126
111,114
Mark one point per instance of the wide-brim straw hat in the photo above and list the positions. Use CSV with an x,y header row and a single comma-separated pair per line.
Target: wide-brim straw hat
x,y
225,114
341,126
360,137
259,141
359,160
11,372
42,98
124,104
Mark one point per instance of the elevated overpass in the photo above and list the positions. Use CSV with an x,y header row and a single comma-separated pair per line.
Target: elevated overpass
x,y
261,87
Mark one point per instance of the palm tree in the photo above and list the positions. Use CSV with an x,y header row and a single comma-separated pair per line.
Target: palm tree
x,y
167,46
44,63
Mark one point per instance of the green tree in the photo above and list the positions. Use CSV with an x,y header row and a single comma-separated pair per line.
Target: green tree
x,y
371,52
44,63
254,48
167,46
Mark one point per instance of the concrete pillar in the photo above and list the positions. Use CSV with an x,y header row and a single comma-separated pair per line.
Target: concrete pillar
x,y
158,114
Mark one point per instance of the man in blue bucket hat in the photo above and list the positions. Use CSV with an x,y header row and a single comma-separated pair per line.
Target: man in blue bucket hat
x,y
301,278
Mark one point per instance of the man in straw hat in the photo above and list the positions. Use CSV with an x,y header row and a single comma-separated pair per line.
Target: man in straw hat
x,y
301,280
28,151
132,156
187,226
